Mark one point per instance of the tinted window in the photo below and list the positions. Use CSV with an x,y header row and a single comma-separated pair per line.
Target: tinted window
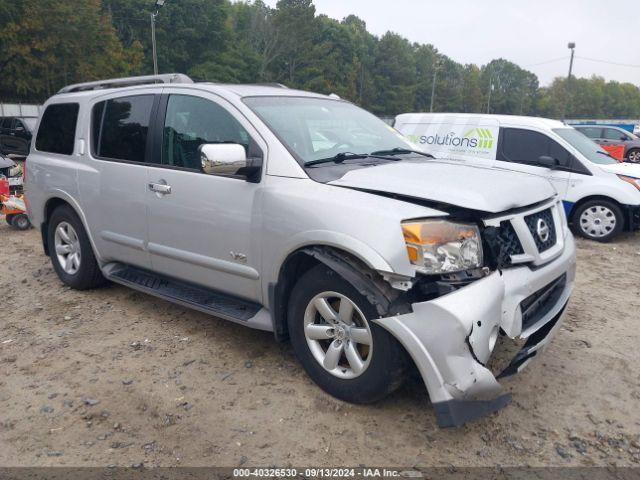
x,y
591,132
191,122
5,122
526,146
613,134
96,125
57,130
125,124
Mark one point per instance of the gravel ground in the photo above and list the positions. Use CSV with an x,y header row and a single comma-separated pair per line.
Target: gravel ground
x,y
116,377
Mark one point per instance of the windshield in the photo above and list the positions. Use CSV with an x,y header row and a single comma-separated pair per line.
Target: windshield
x,y
319,128
587,147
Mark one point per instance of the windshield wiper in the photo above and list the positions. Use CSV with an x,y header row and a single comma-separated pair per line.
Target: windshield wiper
x,y
606,154
338,158
401,151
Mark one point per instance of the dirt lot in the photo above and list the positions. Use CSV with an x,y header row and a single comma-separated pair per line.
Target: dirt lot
x,y
116,377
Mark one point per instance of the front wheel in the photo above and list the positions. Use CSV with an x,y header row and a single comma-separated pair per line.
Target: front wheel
x,y
599,220
633,156
331,331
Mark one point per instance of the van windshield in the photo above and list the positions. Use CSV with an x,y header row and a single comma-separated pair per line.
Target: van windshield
x,y
587,147
319,128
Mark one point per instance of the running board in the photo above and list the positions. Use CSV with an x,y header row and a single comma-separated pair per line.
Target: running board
x,y
193,296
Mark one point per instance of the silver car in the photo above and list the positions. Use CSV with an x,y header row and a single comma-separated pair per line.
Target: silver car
x,y
304,215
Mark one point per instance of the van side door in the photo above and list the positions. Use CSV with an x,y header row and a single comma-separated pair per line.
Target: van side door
x,y
204,227
520,149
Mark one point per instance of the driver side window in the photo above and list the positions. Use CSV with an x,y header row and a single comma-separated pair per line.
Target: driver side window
x,y
526,146
193,121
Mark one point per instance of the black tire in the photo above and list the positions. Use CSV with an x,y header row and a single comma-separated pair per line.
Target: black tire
x,y
583,230
21,221
9,219
88,274
633,155
387,365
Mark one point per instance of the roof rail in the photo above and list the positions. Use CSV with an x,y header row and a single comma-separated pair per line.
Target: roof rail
x,y
127,82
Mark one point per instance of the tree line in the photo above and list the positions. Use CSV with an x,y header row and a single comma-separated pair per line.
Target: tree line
x,y
46,44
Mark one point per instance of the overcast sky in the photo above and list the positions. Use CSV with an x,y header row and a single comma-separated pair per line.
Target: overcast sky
x,y
526,32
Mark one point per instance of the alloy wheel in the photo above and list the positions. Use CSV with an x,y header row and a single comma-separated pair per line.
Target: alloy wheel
x,y
338,335
67,247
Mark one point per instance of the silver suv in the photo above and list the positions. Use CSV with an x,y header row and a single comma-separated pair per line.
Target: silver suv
x,y
304,215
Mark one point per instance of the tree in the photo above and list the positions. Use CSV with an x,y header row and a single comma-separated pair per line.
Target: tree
x,y
45,44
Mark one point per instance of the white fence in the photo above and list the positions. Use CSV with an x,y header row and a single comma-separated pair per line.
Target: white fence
x,y
19,110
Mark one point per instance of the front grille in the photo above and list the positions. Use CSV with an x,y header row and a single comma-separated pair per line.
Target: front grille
x,y
502,243
538,304
534,221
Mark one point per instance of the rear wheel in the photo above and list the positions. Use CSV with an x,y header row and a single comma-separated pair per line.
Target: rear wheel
x,y
599,220
21,221
633,156
70,251
331,331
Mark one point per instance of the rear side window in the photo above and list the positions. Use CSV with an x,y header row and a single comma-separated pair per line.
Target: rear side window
x,y
591,132
120,127
57,130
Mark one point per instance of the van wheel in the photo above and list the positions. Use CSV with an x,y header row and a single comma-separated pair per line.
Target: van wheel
x,y
70,251
332,335
21,221
633,156
599,220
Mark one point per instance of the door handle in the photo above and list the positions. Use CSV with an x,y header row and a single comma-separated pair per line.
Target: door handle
x,y
162,188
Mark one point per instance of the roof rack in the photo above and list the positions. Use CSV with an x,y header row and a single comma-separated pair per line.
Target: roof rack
x,y
127,82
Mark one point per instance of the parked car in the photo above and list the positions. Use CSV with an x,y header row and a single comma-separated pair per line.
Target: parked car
x,y
614,136
601,196
16,134
304,215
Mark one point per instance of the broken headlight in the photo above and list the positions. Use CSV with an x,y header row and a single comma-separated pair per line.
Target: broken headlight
x,y
439,246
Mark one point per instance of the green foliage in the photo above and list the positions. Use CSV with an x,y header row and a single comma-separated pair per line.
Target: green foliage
x,y
45,44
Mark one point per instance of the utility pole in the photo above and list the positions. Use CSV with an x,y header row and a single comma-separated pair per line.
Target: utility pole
x,y
436,65
489,96
159,4
571,46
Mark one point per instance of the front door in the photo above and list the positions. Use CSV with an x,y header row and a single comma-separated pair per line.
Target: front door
x,y
202,226
520,149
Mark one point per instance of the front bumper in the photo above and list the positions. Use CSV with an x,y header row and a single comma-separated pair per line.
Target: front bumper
x,y
452,337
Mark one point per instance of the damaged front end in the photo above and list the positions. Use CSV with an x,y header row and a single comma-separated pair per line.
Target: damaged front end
x,y
454,322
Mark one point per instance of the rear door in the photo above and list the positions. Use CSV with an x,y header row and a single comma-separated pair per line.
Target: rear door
x,y
203,230
113,183
520,149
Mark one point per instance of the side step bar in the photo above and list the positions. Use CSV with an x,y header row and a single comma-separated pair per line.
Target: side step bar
x,y
193,296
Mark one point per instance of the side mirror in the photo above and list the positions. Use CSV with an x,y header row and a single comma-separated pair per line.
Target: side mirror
x,y
623,138
229,160
548,162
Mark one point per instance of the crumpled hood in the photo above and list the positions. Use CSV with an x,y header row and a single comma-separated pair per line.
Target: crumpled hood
x,y
470,186
629,169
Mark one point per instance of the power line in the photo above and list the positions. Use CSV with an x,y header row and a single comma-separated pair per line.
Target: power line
x,y
546,61
608,62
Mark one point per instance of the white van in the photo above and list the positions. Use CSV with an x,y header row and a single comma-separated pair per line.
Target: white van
x,y
601,196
